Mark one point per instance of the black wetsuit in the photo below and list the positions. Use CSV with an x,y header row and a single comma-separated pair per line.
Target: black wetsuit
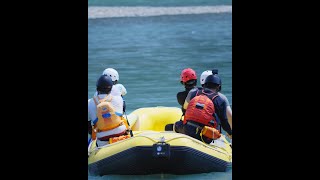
x,y
181,97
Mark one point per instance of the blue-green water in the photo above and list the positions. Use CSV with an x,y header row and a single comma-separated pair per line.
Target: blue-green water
x,y
149,52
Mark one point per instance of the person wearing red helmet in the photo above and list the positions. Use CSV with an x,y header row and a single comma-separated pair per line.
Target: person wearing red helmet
x,y
188,78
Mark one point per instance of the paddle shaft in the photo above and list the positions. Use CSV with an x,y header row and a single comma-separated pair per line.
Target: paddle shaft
x,y
131,134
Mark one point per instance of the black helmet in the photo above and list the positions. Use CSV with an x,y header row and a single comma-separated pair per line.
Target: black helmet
x,y
214,79
104,84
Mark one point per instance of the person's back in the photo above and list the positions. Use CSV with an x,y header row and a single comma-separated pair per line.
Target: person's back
x,y
116,102
105,113
121,89
203,76
188,78
199,120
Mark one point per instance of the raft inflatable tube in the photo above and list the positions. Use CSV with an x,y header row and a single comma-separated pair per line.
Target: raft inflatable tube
x,y
153,150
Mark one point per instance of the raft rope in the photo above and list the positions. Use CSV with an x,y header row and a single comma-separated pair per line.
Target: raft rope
x,y
156,140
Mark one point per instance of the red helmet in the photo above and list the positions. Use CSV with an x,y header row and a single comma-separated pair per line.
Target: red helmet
x,y
188,74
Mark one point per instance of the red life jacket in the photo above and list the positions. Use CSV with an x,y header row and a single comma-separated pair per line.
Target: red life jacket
x,y
201,109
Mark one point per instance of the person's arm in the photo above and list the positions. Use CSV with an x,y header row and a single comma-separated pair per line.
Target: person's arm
x,y
181,97
190,95
117,102
229,115
221,111
186,102
122,89
91,115
229,110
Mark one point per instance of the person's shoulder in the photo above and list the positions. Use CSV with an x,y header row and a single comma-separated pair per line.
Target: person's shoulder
x,y
195,89
222,95
118,96
193,92
122,89
90,102
120,85
115,91
219,99
180,93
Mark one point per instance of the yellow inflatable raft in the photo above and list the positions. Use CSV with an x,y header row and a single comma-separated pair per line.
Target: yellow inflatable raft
x,y
154,150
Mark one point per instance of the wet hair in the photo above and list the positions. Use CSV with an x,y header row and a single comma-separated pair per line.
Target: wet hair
x,y
104,90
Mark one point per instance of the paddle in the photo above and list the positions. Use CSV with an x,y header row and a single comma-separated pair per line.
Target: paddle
x,y
131,134
124,112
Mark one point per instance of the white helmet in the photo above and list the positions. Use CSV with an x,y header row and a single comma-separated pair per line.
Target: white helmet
x,y
204,75
112,73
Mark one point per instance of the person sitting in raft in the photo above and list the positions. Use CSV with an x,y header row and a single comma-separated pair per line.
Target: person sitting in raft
x,y
188,78
203,77
105,114
115,79
205,110
117,88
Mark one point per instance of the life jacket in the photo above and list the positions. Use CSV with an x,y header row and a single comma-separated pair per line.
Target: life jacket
x,y
119,138
109,123
209,132
108,118
201,109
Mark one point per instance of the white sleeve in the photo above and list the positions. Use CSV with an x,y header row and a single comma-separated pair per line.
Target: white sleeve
x,y
115,91
117,103
122,89
91,110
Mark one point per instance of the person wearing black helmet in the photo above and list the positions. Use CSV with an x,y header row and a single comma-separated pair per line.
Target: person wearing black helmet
x,y
203,77
219,116
105,107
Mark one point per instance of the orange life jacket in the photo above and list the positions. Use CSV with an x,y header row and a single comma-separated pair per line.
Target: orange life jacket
x,y
106,114
201,109
119,138
107,120
210,132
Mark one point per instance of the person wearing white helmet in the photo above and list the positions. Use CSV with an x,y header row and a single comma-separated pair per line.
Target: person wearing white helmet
x,y
117,87
203,77
115,78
